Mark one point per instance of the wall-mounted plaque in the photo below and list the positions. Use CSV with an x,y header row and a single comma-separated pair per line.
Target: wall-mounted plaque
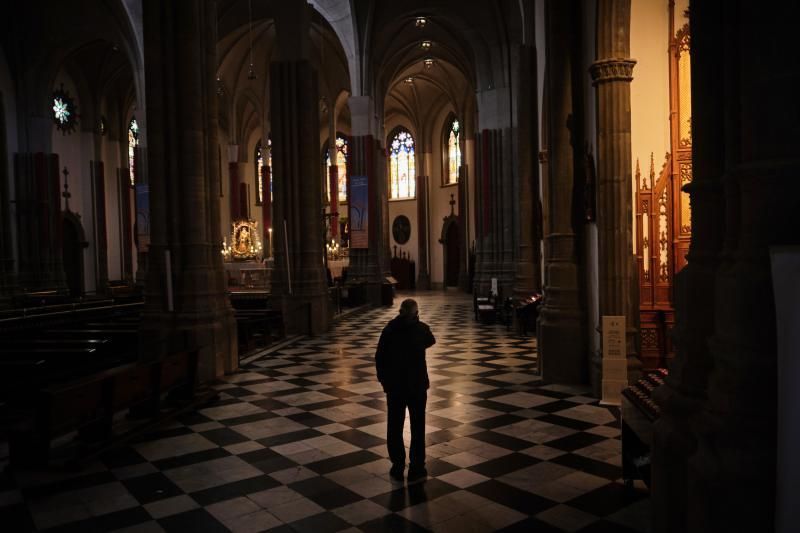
x,y
401,229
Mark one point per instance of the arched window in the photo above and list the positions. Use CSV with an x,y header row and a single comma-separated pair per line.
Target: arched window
x,y
402,168
133,142
453,152
341,165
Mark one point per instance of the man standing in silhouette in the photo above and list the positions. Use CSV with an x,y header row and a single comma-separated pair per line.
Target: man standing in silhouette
x,y
400,361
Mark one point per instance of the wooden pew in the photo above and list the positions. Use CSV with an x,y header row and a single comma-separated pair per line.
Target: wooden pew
x,y
115,334
88,405
252,324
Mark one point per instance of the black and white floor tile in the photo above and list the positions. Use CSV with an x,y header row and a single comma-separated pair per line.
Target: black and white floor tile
x,y
296,443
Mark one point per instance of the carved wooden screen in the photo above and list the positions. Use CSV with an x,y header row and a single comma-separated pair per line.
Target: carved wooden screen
x,y
664,214
681,133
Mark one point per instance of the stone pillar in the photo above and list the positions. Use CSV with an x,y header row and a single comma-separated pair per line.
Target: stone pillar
x,y
333,171
39,221
299,277
527,279
423,238
682,396
612,73
100,235
7,276
235,174
369,265
179,49
333,187
125,220
140,171
266,204
561,334
732,476
463,224
494,227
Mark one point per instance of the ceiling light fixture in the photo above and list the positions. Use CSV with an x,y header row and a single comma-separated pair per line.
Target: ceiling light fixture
x,y
425,45
409,80
428,63
420,22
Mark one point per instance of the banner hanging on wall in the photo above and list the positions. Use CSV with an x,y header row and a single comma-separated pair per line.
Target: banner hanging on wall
x,y
359,212
143,216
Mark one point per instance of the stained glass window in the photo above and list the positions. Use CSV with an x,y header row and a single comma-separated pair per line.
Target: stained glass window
x,y
259,159
341,165
61,110
133,142
402,171
453,152
64,111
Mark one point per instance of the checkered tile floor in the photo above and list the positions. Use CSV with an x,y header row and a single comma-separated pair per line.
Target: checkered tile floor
x,y
296,443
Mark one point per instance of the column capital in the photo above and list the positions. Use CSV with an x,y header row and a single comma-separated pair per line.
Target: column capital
x,y
612,69
233,153
362,116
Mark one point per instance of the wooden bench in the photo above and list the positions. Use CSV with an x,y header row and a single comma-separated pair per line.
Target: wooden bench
x,y
115,335
254,325
88,405
485,308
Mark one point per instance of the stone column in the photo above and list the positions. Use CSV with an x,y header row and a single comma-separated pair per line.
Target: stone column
x,y
266,205
140,276
100,236
494,227
732,476
561,334
299,278
333,171
682,396
463,224
126,204
368,159
527,279
39,221
235,174
179,46
612,73
7,277
423,238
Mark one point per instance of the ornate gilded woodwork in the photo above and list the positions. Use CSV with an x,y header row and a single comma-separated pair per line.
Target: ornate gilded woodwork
x,y
664,212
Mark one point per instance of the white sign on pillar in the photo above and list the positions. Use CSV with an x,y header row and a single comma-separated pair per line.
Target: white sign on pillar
x,y
494,286
615,362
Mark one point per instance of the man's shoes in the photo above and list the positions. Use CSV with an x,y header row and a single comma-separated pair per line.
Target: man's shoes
x,y
396,473
416,474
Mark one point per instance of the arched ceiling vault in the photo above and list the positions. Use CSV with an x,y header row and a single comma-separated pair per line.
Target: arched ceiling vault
x,y
236,31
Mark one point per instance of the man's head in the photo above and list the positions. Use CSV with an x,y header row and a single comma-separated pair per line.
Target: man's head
x,y
409,309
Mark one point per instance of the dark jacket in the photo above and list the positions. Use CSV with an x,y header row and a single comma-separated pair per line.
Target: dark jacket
x,y
400,358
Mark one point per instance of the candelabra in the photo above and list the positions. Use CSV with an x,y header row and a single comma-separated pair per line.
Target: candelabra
x,y
333,249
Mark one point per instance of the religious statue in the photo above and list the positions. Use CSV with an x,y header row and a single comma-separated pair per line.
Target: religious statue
x,y
243,242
